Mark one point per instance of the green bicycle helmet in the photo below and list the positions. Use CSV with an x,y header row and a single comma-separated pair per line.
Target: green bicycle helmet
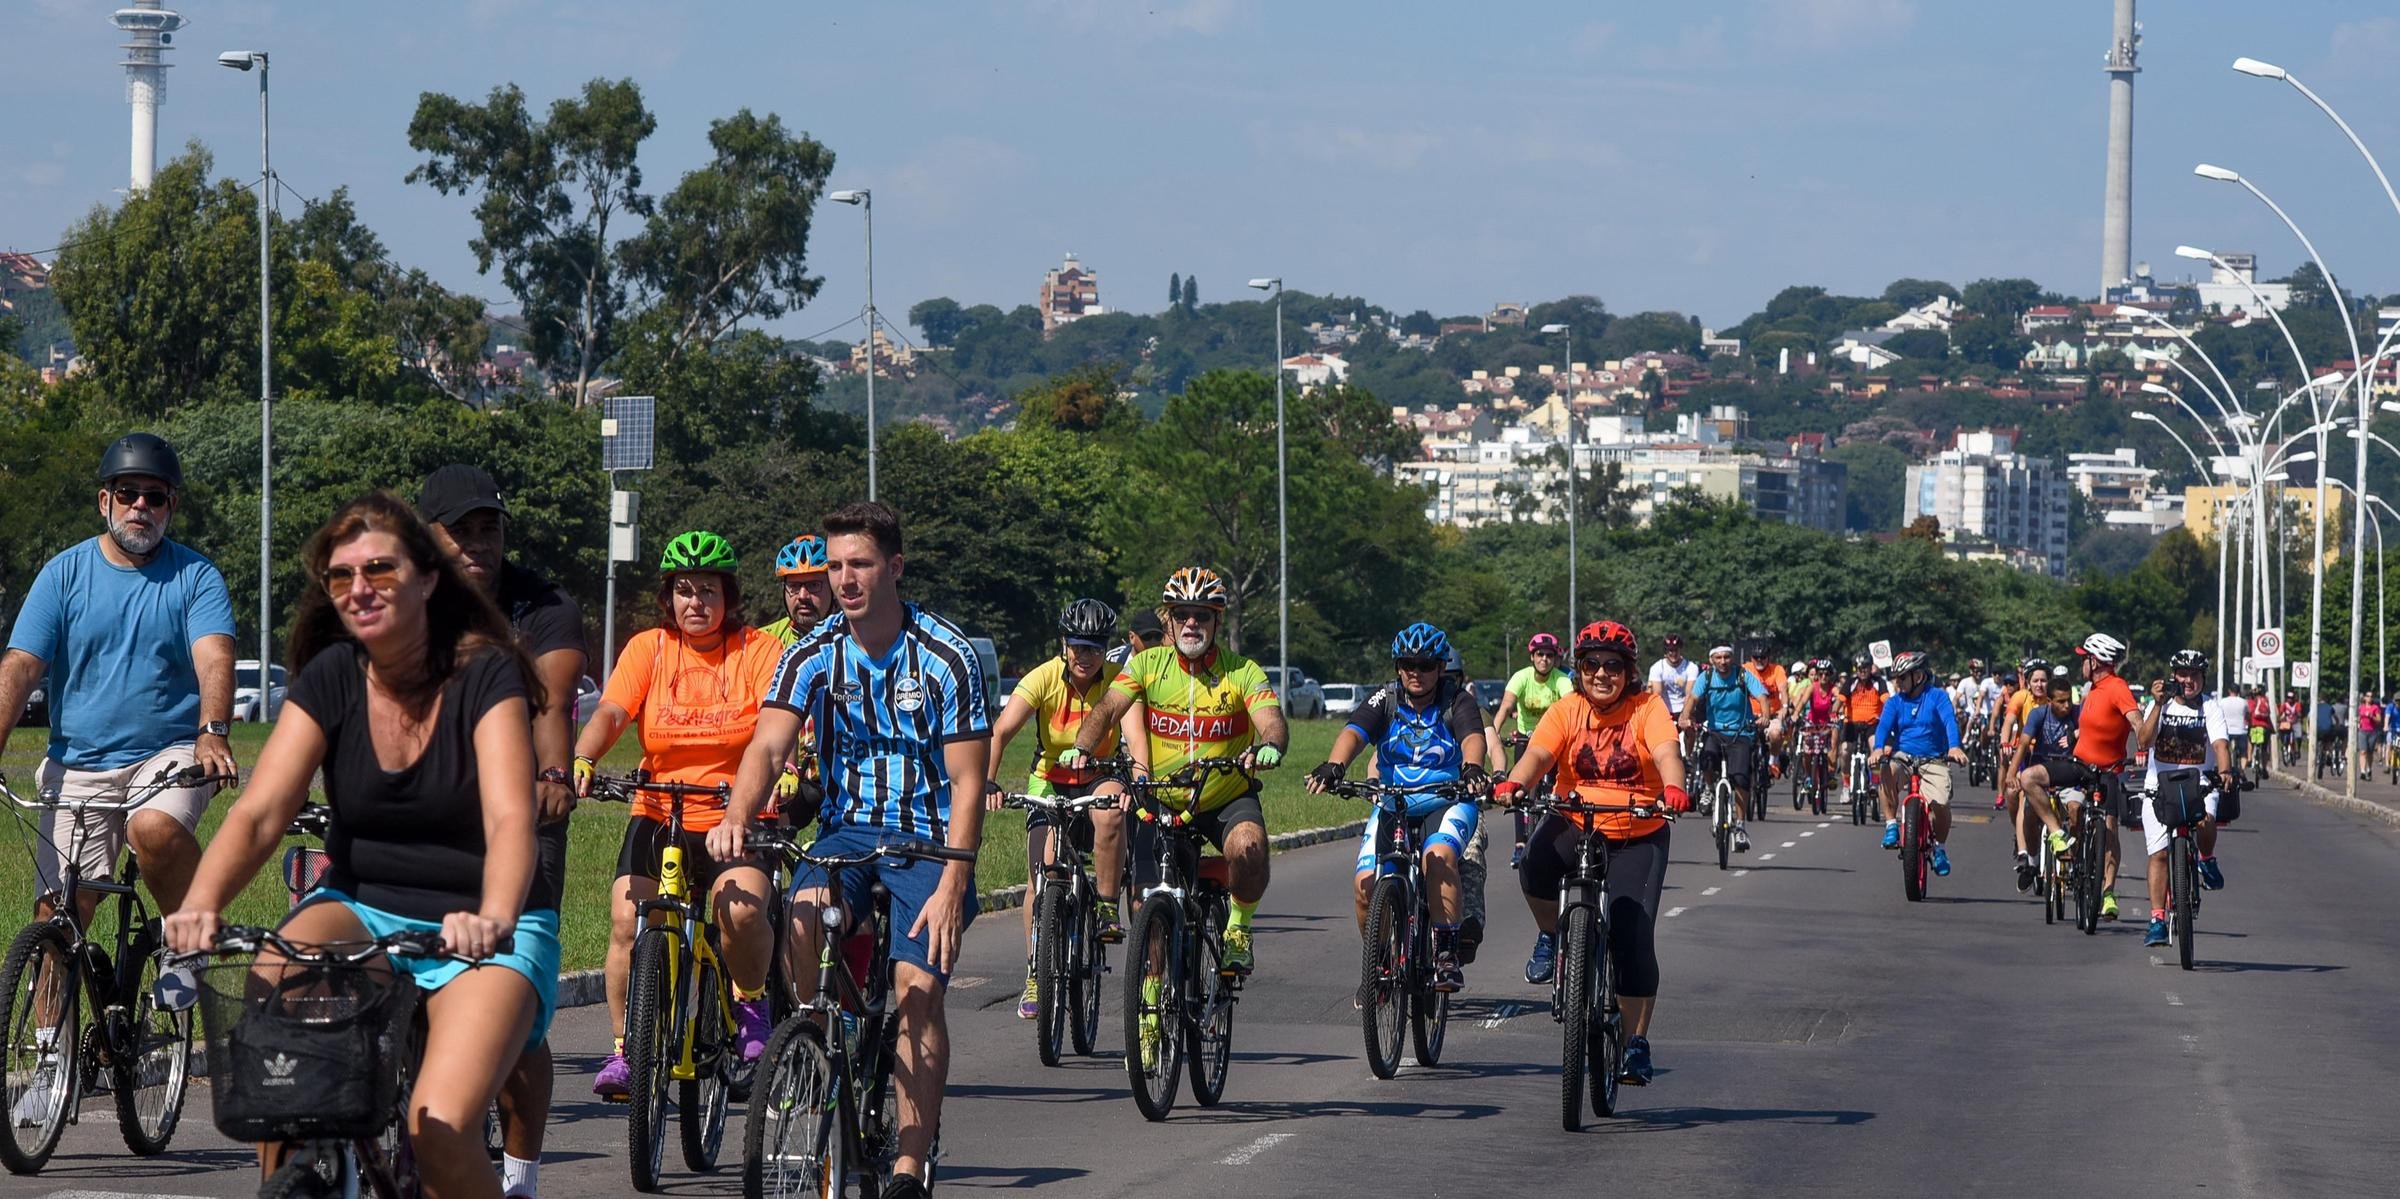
x,y
697,550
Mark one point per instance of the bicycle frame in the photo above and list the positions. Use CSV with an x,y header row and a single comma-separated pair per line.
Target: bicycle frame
x,y
688,922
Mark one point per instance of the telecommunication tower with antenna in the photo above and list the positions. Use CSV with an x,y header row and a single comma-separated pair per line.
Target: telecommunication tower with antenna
x,y
2116,216
151,32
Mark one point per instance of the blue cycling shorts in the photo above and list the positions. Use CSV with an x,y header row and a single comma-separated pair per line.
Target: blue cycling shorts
x,y
1440,821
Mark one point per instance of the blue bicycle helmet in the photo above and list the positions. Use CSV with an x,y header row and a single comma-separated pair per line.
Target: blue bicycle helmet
x,y
802,555
1421,640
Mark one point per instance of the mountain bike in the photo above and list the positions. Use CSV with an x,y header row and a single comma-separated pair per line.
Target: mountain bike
x,y
1815,771
2050,876
1861,788
1916,830
679,1021
825,1113
1179,993
2087,834
1395,970
1583,991
1069,957
2183,864
131,1043
1716,790
314,1048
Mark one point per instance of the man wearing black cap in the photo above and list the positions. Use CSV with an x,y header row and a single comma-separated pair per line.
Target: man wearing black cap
x,y
1142,631
464,507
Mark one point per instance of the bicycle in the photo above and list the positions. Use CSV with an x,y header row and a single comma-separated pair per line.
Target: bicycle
x,y
140,1045
2183,872
1861,787
2051,874
1583,991
316,1053
2088,835
1069,955
1815,772
679,1021
1723,804
1395,971
825,1111
1179,994
1916,831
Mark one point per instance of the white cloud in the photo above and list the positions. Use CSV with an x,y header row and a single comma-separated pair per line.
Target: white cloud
x,y
1826,24
46,174
949,178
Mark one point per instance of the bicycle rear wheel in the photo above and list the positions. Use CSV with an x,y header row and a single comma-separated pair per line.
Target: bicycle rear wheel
x,y
1087,961
2183,887
2087,878
651,1028
1210,1035
792,1143
1577,944
1153,1001
1050,971
42,1082
151,1073
1382,978
1912,852
700,1101
1428,1009
1722,806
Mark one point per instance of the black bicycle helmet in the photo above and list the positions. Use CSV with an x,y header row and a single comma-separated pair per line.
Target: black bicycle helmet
x,y
2188,659
1088,620
141,454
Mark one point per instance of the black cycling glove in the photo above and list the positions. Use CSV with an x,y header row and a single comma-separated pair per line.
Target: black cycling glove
x,y
1328,773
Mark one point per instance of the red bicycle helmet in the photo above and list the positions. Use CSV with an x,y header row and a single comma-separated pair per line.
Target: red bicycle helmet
x,y
1608,635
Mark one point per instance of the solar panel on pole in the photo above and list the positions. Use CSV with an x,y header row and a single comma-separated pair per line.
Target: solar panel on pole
x,y
628,432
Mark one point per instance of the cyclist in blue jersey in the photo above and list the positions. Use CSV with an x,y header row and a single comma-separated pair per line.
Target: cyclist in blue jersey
x,y
1426,730
904,746
1919,720
1722,709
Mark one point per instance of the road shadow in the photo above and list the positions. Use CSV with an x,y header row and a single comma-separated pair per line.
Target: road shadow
x,y
1466,1071
1238,1112
1006,1178
1035,1094
1975,899
180,1163
1676,1119
1289,1059
1812,869
2205,967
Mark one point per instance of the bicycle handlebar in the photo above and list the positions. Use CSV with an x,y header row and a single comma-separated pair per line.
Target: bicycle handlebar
x,y
620,788
1456,791
1578,808
771,839
167,777
313,820
242,938
1059,803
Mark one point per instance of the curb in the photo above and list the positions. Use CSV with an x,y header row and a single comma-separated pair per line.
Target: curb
x,y
582,988
2335,799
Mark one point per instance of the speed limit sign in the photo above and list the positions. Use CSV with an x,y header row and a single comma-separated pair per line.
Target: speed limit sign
x,y
2267,646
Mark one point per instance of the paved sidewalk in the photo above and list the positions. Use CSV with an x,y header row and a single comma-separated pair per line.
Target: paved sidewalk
x,y
2376,797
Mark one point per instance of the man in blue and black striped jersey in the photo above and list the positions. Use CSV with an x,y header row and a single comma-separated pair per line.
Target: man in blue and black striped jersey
x,y
904,745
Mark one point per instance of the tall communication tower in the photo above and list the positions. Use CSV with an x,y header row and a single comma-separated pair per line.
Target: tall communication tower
x,y
2116,218
150,31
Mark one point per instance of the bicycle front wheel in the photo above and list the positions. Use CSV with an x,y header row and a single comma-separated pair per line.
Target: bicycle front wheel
x,y
1608,1030
653,1030
152,1068
701,1099
792,1143
1382,978
1154,990
2183,883
1209,1011
1912,853
1723,806
1050,965
1428,1009
300,1177
1576,945
39,991
1086,962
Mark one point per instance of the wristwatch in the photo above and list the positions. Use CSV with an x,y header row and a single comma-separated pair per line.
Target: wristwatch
x,y
552,775
215,728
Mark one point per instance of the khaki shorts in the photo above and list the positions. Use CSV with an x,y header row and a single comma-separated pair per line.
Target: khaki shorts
x,y
1936,775
103,837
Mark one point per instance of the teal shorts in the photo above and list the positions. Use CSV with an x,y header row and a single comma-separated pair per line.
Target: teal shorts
x,y
533,953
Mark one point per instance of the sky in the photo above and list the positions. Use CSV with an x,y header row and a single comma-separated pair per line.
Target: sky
x,y
1692,156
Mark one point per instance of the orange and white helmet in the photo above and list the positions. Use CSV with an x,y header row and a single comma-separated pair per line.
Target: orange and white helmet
x,y
1195,585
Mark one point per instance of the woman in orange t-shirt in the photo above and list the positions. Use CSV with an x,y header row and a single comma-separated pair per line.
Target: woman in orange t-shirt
x,y
1612,744
693,686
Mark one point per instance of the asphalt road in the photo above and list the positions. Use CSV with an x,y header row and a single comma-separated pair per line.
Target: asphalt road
x,y
1816,1035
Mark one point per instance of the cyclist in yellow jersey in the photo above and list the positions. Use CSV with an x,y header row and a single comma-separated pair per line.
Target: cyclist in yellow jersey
x,y
1530,693
807,597
1199,700
1055,699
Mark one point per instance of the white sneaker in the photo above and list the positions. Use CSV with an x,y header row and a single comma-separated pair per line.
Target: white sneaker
x,y
41,1094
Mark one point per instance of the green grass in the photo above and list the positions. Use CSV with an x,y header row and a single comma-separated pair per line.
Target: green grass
x,y
595,831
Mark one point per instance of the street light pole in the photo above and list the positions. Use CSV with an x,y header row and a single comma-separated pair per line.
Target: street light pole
x,y
1574,485
865,199
1283,537
243,60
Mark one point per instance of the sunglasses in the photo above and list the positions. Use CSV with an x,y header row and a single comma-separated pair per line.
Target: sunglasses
x,y
1603,664
127,496
382,575
1417,665
1192,615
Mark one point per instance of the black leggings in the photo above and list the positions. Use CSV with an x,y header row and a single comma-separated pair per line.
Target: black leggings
x,y
1637,876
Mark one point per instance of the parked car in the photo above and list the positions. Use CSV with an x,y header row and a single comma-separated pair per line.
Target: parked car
x,y
989,655
587,699
246,704
1008,687
1341,699
1302,701
1488,693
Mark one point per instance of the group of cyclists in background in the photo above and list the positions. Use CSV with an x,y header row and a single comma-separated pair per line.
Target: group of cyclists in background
x,y
431,685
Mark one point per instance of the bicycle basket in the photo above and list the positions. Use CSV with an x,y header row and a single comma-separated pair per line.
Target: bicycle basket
x,y
305,1050
2180,798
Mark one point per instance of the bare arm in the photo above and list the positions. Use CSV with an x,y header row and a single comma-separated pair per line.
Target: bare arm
x,y
1668,757
1111,708
1346,745
602,730
941,920
504,781
554,729
252,828
1013,716
1272,728
771,742
212,660
19,671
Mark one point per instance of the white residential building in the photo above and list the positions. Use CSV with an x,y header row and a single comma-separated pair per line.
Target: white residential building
x,y
1316,370
2225,291
2115,481
1981,489
1934,314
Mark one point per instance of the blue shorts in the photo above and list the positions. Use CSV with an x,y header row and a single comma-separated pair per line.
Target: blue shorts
x,y
534,954
909,882
1443,822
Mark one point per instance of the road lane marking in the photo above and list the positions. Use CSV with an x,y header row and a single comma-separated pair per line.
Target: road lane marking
x,y
1740,873
2174,1000
961,984
1765,857
1789,844
1242,1156
1809,833
1503,1012
1674,912
1827,824
1710,891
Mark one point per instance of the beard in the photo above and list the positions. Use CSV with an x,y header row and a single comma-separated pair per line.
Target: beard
x,y
1192,645
136,540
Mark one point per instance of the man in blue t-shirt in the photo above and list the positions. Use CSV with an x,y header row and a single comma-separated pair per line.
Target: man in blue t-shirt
x,y
895,694
136,633
1920,721
1721,708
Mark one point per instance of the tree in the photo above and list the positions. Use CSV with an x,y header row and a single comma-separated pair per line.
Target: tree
x,y
1871,492
548,190
940,319
1648,332
2002,298
1420,324
1085,400
1174,289
1924,528
1928,344
730,243
1991,340
1910,293
2310,288
1191,293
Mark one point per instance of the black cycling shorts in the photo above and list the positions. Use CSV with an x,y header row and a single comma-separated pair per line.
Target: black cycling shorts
x,y
1737,751
1637,877
645,839
1215,826
2107,787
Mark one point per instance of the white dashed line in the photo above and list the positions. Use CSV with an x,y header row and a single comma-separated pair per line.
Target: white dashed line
x,y
1710,891
1789,844
1674,912
1503,1012
961,984
2174,1000
1242,1156
1827,824
1766,857
1740,873
1810,833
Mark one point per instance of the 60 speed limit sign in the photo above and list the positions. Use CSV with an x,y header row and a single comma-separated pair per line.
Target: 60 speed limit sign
x,y
2267,646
